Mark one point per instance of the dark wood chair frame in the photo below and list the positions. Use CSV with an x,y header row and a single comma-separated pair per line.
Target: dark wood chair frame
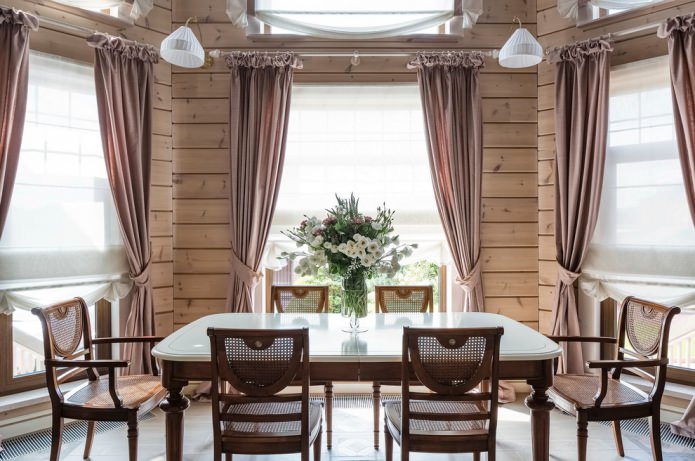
x,y
302,292
650,406
381,306
297,370
404,292
65,364
486,400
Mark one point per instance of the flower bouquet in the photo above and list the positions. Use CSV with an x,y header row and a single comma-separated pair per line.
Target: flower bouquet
x,y
351,245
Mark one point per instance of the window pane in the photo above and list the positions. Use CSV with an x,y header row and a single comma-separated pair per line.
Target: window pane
x,y
61,198
643,201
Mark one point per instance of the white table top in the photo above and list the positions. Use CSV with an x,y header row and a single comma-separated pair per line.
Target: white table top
x,y
381,342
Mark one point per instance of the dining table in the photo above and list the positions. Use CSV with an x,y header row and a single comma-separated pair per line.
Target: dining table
x,y
371,356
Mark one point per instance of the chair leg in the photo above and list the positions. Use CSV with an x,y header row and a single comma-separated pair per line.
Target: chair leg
x,y
655,426
328,391
582,437
376,402
227,457
56,436
618,436
476,456
317,447
133,437
91,425
388,443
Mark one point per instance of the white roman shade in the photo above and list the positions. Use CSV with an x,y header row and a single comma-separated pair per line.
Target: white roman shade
x,y
359,19
62,229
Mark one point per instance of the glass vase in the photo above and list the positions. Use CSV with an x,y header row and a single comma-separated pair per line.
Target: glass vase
x,y
354,301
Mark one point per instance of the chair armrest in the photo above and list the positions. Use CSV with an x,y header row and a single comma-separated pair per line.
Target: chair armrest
x,y
134,339
110,364
583,339
87,363
607,364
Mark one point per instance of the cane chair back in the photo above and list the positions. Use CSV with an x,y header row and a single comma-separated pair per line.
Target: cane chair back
x,y
249,369
68,346
66,335
299,299
403,299
642,347
455,416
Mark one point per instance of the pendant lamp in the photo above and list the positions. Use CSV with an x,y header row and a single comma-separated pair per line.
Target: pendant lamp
x,y
521,50
182,48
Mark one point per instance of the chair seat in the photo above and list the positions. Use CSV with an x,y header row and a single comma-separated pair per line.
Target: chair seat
x,y
392,410
134,390
284,428
579,390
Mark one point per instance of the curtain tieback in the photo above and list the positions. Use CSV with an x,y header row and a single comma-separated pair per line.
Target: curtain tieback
x,y
472,280
143,277
247,275
566,276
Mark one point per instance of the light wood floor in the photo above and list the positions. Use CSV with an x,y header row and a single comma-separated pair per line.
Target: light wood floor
x,y
352,440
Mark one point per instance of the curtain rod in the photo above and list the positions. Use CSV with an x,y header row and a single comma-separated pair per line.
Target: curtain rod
x,y
362,54
66,26
624,34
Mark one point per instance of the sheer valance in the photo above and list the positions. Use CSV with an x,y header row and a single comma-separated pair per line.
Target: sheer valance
x,y
138,8
570,8
357,19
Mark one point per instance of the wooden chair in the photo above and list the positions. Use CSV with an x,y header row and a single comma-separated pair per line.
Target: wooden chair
x,y
642,336
404,298
68,342
299,298
306,299
256,419
397,299
454,417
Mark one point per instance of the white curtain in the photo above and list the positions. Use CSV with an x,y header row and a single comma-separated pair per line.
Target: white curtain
x,y
138,8
570,8
62,230
359,19
363,139
644,243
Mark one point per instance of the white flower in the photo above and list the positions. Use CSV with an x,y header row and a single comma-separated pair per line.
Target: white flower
x,y
327,245
357,237
376,225
373,246
317,242
342,247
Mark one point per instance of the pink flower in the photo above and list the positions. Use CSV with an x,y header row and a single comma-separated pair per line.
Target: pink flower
x,y
317,231
368,219
329,220
303,223
358,220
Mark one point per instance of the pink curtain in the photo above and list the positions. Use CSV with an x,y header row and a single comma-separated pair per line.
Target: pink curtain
x,y
450,93
14,73
123,72
260,106
680,33
582,73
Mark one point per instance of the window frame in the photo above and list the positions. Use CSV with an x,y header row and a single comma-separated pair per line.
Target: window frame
x,y
10,384
586,21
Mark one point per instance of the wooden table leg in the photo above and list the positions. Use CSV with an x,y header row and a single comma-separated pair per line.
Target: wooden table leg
x,y
540,405
173,407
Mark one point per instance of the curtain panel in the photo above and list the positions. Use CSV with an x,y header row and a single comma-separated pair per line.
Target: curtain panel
x,y
451,104
582,73
680,32
14,74
261,85
124,75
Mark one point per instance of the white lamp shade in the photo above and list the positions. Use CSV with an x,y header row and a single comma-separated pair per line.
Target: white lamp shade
x,y
182,48
521,50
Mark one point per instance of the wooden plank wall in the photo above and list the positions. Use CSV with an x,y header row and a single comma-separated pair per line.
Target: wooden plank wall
x,y
553,30
152,29
200,144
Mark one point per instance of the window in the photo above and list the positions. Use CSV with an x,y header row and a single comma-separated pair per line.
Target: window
x,y
357,19
61,238
593,10
123,10
644,242
368,140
